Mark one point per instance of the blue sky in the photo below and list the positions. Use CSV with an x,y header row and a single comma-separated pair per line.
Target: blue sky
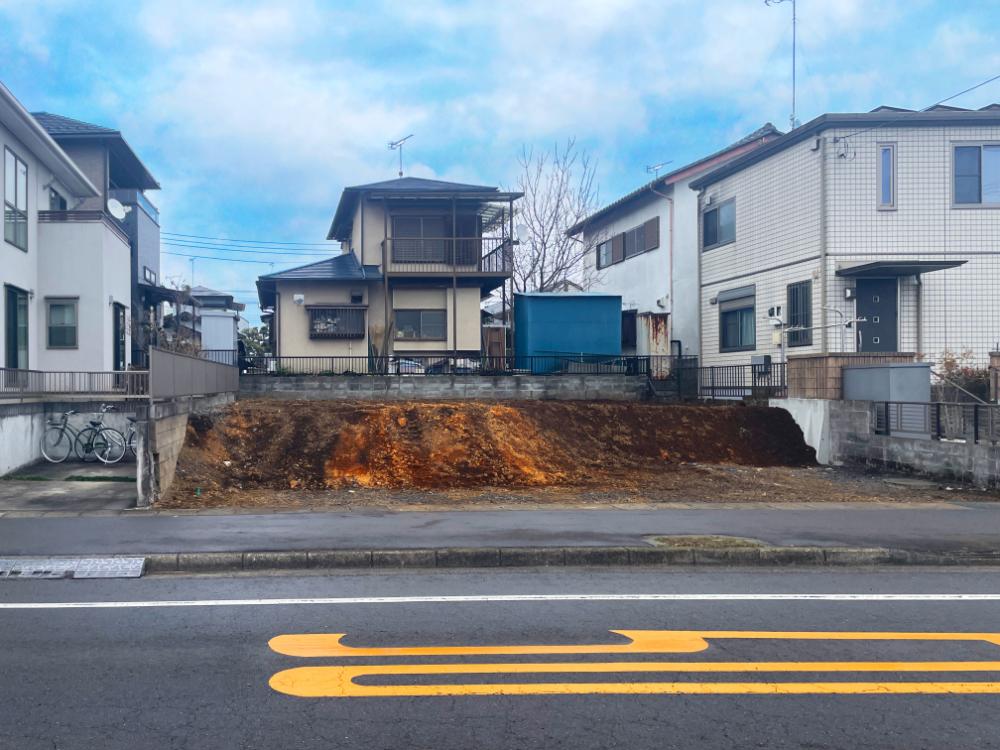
x,y
255,115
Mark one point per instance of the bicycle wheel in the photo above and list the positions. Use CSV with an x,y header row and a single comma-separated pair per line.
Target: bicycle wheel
x,y
56,445
87,444
110,446
131,444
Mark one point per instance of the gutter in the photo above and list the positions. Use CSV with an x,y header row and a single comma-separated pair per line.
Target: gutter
x,y
66,170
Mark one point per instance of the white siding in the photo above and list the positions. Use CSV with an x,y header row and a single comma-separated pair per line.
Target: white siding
x,y
779,240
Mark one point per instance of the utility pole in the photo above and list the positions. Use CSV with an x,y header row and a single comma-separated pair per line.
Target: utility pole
x,y
793,121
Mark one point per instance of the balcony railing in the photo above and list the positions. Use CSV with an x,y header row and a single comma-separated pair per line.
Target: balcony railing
x,y
460,255
16,383
91,216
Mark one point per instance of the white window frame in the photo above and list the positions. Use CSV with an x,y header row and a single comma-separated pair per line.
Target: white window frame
x,y
893,181
951,174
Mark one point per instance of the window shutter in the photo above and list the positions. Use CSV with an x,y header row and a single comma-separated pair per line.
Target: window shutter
x,y
618,248
652,231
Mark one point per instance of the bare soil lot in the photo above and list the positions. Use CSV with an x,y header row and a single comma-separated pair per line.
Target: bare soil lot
x,y
361,454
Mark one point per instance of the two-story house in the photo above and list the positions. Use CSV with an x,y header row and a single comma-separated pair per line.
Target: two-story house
x,y
417,258
64,269
646,251
889,219
109,162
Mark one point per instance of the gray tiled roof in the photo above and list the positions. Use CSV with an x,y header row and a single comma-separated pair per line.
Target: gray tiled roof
x,y
421,184
59,125
344,267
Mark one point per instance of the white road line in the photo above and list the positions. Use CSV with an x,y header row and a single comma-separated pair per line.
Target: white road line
x,y
333,601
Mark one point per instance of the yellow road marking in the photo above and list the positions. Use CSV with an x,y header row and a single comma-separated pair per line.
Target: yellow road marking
x,y
640,641
339,682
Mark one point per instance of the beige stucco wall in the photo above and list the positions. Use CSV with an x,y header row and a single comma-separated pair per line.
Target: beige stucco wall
x,y
293,320
375,231
437,299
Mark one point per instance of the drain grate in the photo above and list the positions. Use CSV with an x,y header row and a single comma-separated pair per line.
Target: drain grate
x,y
71,567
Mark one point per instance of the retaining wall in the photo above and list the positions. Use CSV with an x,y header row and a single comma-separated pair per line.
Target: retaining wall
x,y
161,438
842,433
447,387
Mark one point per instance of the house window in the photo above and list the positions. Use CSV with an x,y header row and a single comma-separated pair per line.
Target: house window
x,y
800,313
422,325
977,175
719,225
420,239
737,325
15,200
56,201
635,241
604,254
336,323
149,275
887,175
61,317
629,323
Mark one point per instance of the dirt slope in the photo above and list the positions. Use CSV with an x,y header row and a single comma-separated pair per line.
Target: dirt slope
x,y
433,445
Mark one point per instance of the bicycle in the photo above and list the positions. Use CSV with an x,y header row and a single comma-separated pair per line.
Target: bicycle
x,y
59,438
97,441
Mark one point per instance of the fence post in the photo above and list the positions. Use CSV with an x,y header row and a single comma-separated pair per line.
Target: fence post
x,y
937,421
888,420
975,423
711,380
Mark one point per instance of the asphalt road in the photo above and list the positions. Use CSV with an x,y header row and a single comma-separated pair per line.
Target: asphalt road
x,y
929,527
135,673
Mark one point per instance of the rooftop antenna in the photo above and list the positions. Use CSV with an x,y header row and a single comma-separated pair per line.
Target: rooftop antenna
x,y
654,169
792,120
398,146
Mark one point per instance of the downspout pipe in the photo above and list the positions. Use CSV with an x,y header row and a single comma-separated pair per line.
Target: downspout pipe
x,y
823,272
670,252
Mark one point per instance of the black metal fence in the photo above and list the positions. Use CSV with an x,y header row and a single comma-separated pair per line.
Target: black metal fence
x,y
938,421
463,364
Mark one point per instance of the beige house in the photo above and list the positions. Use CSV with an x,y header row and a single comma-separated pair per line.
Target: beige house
x,y
418,256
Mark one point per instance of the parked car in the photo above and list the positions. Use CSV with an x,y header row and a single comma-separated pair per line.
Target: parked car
x,y
403,366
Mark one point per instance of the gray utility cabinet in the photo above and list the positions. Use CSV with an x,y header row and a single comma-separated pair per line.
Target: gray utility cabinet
x,y
908,383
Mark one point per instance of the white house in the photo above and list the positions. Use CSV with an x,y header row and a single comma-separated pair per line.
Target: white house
x,y
889,216
647,252
65,270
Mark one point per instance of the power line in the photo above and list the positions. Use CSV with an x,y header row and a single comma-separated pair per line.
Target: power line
x,y
224,260
254,242
903,115
253,251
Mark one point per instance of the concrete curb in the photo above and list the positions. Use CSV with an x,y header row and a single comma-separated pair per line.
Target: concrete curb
x,y
494,557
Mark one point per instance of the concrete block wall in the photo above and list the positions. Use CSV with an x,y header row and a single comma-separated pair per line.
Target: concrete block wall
x,y
161,437
448,387
842,432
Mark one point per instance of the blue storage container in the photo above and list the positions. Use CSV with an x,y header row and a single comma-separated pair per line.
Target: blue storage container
x,y
566,330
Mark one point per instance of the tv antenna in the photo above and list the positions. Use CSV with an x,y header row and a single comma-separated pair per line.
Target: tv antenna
x,y
398,146
654,169
792,120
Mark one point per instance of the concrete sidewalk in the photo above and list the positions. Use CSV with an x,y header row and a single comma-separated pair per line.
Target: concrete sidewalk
x,y
929,528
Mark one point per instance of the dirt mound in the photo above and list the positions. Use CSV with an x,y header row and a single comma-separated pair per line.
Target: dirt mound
x,y
431,445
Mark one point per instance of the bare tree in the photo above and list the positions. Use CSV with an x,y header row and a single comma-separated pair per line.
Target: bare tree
x,y
559,191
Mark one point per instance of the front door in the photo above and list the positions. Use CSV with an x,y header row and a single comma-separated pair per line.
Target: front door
x,y
16,327
118,336
877,304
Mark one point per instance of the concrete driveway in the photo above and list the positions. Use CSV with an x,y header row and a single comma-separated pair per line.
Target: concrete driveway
x,y
68,487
